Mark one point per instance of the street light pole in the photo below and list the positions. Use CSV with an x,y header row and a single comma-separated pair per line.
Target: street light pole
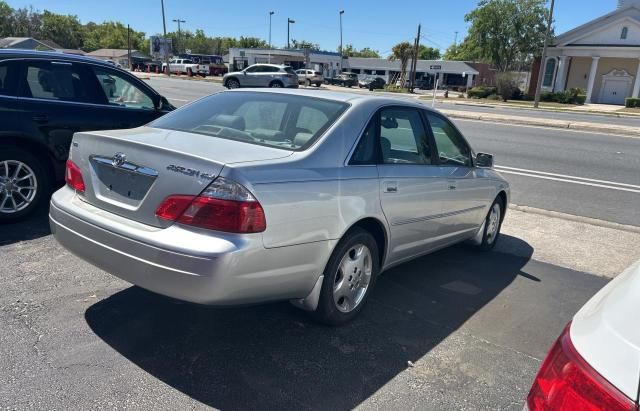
x,y
341,55
289,23
536,101
164,30
271,13
178,21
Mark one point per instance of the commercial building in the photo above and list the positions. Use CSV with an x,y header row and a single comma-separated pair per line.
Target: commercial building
x,y
601,57
452,73
120,56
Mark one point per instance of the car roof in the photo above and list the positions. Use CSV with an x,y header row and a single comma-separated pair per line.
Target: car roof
x,y
51,55
339,96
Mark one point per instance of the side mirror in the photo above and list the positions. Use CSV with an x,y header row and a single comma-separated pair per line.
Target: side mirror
x,y
484,160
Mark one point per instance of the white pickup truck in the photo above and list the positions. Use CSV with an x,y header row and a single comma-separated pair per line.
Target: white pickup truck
x,y
186,66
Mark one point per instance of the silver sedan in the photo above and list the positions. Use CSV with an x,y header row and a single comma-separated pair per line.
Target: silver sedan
x,y
254,196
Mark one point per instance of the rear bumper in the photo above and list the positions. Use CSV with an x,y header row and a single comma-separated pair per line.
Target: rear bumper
x,y
199,266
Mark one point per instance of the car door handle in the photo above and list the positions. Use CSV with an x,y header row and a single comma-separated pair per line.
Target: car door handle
x,y
40,118
390,187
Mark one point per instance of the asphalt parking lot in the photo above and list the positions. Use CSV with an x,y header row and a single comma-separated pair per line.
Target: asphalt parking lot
x,y
455,330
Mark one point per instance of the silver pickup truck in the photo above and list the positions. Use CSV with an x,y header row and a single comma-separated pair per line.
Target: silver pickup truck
x,y
185,66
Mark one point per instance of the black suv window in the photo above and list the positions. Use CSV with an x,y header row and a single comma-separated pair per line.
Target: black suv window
x,y
56,81
121,91
7,78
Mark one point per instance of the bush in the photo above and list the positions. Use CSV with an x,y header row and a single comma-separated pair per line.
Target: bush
x,y
572,96
481,92
632,102
507,86
494,97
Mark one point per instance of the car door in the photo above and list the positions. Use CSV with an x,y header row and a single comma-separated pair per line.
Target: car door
x,y
469,195
411,194
251,76
125,102
55,100
10,124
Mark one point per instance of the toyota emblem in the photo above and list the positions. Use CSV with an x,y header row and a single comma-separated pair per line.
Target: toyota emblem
x,y
118,159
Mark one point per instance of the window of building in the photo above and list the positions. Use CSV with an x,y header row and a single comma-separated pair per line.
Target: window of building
x,y
549,72
625,33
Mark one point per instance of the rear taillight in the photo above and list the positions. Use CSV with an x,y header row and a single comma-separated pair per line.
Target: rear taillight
x,y
567,382
73,177
224,206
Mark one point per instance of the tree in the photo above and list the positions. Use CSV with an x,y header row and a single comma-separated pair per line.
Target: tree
x,y
507,31
402,52
350,51
25,23
111,35
251,43
302,44
428,53
465,51
6,19
63,30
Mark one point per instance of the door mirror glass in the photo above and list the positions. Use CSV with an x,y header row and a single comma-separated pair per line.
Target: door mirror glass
x,y
484,160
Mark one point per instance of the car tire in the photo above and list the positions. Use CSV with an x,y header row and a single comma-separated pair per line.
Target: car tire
x,y
189,72
492,225
318,84
276,84
232,83
344,294
17,203
307,83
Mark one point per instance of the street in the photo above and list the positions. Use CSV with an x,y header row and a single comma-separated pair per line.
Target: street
x,y
457,329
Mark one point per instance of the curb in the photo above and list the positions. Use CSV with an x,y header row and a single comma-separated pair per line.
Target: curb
x,y
627,131
575,218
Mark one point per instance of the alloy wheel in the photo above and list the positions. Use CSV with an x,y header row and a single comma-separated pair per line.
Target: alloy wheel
x,y
353,278
18,186
494,223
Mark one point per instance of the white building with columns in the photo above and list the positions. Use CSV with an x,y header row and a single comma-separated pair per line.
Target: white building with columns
x,y
601,57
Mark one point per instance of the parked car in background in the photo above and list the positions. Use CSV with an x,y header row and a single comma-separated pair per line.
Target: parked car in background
x,y
186,66
251,196
345,79
214,61
45,98
262,75
309,77
372,82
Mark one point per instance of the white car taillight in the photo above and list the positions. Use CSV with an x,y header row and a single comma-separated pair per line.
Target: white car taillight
x,y
567,382
223,206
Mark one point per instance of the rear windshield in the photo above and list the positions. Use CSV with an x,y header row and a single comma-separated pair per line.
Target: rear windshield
x,y
271,119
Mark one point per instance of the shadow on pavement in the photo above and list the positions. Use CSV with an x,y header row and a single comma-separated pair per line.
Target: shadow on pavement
x,y
35,226
274,357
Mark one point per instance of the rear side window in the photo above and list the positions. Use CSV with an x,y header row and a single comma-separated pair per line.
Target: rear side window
x,y
276,120
403,139
57,81
7,79
289,70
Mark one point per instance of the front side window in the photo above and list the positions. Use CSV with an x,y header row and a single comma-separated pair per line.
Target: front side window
x,y
451,147
56,81
403,139
275,120
120,91
254,69
549,72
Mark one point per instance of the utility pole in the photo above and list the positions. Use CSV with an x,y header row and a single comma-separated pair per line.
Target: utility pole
x,y
536,102
179,40
129,47
414,63
341,55
164,29
271,13
289,23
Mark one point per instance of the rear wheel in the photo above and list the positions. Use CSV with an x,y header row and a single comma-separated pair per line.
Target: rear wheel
x,y
307,83
349,277
233,83
318,84
276,84
24,184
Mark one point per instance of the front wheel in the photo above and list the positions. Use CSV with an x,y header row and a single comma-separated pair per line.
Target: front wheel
x,y
307,83
349,277
24,184
276,84
233,83
492,225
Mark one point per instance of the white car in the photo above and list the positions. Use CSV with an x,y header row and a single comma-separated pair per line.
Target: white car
x,y
180,66
309,77
595,363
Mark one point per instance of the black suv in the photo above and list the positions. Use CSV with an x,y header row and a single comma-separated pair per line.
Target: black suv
x,y
45,97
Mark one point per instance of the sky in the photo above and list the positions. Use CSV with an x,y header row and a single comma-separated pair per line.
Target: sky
x,y
375,24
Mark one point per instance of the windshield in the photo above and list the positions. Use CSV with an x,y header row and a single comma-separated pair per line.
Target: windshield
x,y
276,120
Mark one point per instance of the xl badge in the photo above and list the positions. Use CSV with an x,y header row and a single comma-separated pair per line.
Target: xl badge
x,y
118,159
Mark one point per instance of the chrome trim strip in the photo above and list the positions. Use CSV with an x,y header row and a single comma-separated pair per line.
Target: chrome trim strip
x,y
127,166
436,216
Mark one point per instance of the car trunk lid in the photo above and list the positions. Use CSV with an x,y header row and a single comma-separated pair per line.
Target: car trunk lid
x,y
130,172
